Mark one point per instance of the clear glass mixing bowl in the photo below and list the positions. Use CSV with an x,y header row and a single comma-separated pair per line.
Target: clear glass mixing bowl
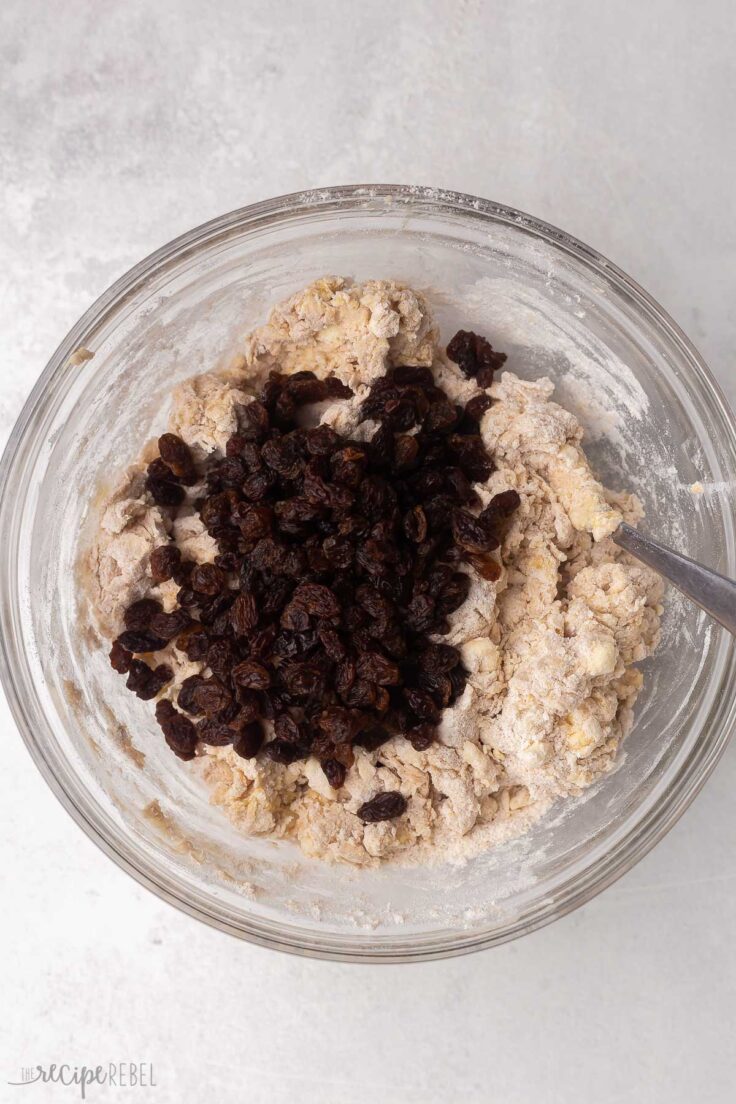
x,y
656,424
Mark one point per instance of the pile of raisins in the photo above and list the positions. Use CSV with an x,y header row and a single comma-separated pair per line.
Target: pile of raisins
x,y
338,566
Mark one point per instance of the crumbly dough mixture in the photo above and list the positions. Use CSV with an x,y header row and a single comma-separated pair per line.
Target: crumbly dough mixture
x,y
550,647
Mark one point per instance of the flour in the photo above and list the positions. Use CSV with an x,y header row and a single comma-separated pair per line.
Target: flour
x,y
549,647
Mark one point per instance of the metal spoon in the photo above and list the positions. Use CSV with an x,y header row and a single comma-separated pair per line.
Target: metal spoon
x,y
712,592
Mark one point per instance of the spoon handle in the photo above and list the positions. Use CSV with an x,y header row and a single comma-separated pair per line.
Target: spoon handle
x,y
712,592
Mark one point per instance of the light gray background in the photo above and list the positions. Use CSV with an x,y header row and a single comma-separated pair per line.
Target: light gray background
x,y
123,125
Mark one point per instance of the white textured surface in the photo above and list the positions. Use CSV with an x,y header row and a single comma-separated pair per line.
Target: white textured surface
x,y
121,126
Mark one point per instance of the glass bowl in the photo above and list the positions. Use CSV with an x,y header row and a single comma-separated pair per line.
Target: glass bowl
x,y
656,423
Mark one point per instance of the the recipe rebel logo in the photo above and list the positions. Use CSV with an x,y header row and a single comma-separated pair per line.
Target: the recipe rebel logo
x,y
119,1075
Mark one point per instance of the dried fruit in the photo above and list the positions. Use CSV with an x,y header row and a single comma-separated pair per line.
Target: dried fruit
x,y
177,457
248,740
140,640
251,675
254,421
280,751
164,562
168,625
337,724
471,534
501,506
321,441
244,613
138,615
214,732
384,806
475,356
120,658
334,772
147,682
210,697
165,493
208,579
421,737
317,600
179,732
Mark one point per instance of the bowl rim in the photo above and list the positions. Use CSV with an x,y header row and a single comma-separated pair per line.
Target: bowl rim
x,y
655,820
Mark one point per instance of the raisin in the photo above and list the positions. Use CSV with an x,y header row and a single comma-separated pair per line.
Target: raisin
x,y
138,615
169,625
442,417
244,613
231,471
214,732
473,354
210,697
439,658
501,506
317,600
486,567
120,658
286,728
281,751
412,375
160,471
283,455
302,678
179,732
236,445
415,525
293,513
384,806
251,675
182,572
420,613
213,610
348,465
421,704
208,579
334,772
471,534
336,389
471,455
248,740
476,408
322,441
262,642
294,618
338,552
406,451
146,682
177,457
337,724
186,699
164,561
255,421
250,705
254,522
372,738
140,640
374,667
421,736
258,485
165,493
305,388
195,643
215,510
453,593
